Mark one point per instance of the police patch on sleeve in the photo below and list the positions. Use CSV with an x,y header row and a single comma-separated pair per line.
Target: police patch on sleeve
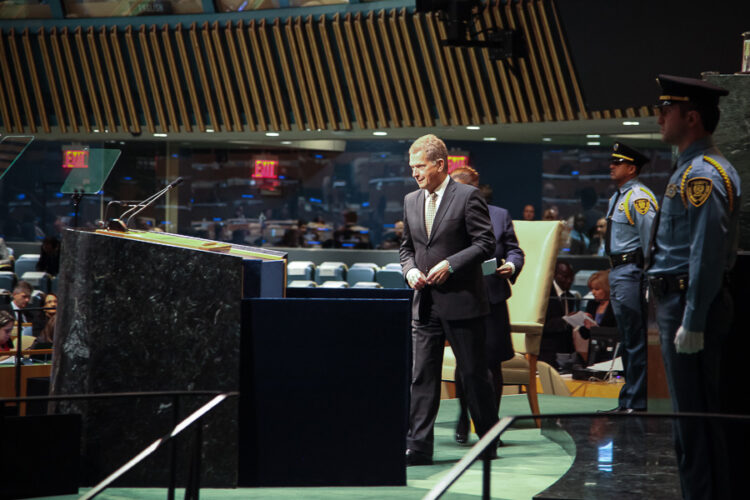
x,y
642,205
697,190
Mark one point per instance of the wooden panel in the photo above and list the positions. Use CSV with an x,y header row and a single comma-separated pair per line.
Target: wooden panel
x,y
312,88
206,88
86,70
217,84
387,34
287,72
9,86
410,69
190,83
535,62
163,79
113,79
237,73
21,79
267,96
152,83
505,17
442,74
431,71
323,87
35,84
75,82
569,63
300,80
480,80
383,71
452,75
549,40
497,67
4,109
270,70
459,54
226,78
333,72
96,63
63,79
359,76
125,79
362,116
364,54
135,65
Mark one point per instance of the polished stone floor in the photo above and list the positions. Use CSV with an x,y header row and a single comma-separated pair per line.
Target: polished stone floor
x,y
615,457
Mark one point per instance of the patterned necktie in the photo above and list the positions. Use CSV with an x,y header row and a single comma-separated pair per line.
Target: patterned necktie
x,y
429,215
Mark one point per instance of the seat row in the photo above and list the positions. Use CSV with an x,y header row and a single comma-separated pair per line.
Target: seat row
x,y
25,270
388,276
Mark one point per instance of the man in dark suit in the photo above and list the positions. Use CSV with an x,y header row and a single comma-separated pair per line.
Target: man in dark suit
x,y
509,259
447,236
557,336
21,297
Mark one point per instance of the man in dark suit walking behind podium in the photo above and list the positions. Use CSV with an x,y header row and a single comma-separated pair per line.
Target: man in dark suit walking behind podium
x,y
447,236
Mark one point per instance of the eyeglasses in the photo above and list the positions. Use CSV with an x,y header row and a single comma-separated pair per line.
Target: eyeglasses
x,y
617,161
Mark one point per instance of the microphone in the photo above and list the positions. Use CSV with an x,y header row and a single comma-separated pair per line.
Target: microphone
x,y
121,224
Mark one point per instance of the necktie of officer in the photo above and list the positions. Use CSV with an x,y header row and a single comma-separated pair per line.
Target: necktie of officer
x,y
429,215
608,233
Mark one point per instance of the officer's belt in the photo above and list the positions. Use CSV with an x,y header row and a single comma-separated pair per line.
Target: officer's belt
x,y
662,284
619,259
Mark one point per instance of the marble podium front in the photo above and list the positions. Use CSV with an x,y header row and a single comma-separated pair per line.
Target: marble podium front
x,y
141,315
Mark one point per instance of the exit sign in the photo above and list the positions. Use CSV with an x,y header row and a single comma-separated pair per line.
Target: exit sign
x,y
75,158
455,162
265,169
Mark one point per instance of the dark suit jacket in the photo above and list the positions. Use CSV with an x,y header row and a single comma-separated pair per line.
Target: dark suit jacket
x,y
462,234
607,320
506,247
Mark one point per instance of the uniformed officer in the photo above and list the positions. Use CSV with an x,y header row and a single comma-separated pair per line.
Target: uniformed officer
x,y
694,246
631,212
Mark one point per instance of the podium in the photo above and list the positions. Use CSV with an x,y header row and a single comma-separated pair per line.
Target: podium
x,y
147,311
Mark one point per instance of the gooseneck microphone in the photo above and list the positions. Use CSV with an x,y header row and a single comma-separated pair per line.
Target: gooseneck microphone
x,y
121,224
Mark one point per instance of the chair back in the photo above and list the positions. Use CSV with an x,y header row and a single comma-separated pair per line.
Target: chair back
x,y
26,262
527,306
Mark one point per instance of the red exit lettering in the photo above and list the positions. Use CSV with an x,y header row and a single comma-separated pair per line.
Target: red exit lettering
x,y
266,169
75,158
455,162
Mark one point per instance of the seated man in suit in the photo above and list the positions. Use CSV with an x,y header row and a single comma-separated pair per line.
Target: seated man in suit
x,y
20,299
557,334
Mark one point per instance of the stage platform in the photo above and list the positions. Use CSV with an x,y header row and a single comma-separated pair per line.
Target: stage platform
x,y
533,462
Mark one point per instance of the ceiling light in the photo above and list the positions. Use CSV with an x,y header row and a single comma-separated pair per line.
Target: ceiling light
x,y
631,123
209,130
547,139
593,143
592,136
472,127
379,132
286,142
490,138
160,135
272,134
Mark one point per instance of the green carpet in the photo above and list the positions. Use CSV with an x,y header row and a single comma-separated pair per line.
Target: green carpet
x,y
528,463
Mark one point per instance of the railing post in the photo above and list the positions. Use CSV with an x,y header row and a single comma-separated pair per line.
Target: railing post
x,y
192,491
173,448
486,468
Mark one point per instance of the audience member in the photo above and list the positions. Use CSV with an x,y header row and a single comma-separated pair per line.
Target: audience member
x,y
552,213
46,336
6,260
393,239
528,212
557,334
20,299
49,258
6,328
598,313
598,242
351,235
579,241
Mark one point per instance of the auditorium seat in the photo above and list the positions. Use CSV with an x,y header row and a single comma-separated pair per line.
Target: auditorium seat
x,y
393,265
334,284
53,284
390,278
4,297
300,270
361,271
367,284
7,280
39,280
26,262
302,284
328,271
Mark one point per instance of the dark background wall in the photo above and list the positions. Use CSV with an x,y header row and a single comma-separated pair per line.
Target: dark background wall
x,y
619,47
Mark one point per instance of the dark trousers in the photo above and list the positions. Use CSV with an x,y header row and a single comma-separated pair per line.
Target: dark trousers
x,y
428,341
694,385
628,285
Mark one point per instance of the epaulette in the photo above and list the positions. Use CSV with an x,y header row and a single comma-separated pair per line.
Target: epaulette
x,y
698,189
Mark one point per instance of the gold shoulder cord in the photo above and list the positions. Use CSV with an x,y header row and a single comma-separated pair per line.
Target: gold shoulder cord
x,y
626,206
650,195
682,186
727,181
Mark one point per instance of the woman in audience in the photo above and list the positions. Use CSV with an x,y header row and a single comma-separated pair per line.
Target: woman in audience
x,y
598,312
47,334
6,327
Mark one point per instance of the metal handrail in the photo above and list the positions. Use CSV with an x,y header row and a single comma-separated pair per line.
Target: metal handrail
x,y
490,437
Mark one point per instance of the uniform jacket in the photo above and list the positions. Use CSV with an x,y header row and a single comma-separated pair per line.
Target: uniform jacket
x,y
461,234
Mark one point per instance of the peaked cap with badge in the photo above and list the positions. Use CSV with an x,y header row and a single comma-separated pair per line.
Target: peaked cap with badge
x,y
677,89
624,153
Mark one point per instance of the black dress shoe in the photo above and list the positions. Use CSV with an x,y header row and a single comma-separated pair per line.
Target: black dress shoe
x,y
462,430
414,457
490,453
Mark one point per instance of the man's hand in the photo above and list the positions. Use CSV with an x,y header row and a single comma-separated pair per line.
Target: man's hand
x,y
506,270
416,279
687,342
439,273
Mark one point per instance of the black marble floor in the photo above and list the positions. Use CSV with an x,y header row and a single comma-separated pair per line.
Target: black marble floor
x,y
615,457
